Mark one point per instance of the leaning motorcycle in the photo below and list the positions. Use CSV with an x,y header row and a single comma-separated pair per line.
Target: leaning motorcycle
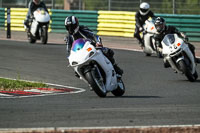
x,y
95,69
178,55
150,46
39,24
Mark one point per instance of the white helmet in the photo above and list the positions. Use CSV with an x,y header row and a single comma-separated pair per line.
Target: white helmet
x,y
144,8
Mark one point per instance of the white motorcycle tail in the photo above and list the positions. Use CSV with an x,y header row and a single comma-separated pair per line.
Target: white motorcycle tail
x,y
149,41
177,53
95,69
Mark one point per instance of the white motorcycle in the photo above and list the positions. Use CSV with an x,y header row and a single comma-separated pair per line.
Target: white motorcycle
x,y
39,26
149,42
178,55
95,69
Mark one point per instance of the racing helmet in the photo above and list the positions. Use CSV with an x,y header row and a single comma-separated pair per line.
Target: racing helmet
x,y
37,2
72,24
160,24
144,8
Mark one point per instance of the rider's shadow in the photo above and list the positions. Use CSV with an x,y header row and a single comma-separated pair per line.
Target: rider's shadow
x,y
135,97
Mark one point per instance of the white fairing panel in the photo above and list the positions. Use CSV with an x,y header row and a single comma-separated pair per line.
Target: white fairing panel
x,y
34,27
41,15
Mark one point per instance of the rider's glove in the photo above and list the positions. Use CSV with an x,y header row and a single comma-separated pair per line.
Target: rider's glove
x,y
99,44
140,29
185,38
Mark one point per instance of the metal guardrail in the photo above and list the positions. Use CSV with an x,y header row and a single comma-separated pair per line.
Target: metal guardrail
x,y
87,18
2,18
110,23
116,23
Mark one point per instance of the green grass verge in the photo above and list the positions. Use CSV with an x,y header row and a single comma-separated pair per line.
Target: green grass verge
x,y
8,84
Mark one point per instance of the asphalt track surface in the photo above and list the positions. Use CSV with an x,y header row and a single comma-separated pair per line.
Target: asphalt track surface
x,y
154,95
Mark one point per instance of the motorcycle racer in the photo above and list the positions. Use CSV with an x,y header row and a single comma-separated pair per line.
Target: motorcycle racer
x,y
163,30
141,16
34,5
76,31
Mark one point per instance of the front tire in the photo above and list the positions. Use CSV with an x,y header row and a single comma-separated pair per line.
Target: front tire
x,y
186,71
44,35
96,83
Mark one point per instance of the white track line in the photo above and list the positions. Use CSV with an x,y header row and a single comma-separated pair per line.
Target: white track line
x,y
79,90
62,129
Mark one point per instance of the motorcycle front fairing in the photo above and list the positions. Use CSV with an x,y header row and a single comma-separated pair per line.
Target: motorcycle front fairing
x,y
34,27
83,54
41,17
173,46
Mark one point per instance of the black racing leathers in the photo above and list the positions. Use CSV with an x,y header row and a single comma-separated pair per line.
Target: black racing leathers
x,y
140,20
83,32
167,30
33,7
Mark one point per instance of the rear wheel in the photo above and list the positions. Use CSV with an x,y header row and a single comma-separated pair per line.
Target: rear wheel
x,y
195,75
186,71
95,80
120,89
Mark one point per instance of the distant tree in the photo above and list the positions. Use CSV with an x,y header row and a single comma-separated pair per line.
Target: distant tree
x,y
181,6
167,6
96,4
188,7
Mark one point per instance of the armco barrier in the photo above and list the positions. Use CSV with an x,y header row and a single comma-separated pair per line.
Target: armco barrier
x,y
116,23
87,18
2,18
17,16
110,23
189,24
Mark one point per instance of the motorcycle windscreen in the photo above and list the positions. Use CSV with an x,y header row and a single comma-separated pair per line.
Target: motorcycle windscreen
x,y
169,39
78,44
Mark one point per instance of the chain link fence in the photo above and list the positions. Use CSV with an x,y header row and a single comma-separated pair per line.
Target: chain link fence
x,y
157,6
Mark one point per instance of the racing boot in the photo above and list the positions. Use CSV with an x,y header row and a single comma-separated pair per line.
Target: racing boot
x,y
118,69
166,63
141,42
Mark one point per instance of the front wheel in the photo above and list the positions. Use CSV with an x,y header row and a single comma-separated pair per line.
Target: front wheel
x,y
120,89
95,80
44,34
186,71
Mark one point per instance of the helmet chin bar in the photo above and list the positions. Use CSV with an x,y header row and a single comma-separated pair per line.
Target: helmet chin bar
x,y
76,30
144,13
